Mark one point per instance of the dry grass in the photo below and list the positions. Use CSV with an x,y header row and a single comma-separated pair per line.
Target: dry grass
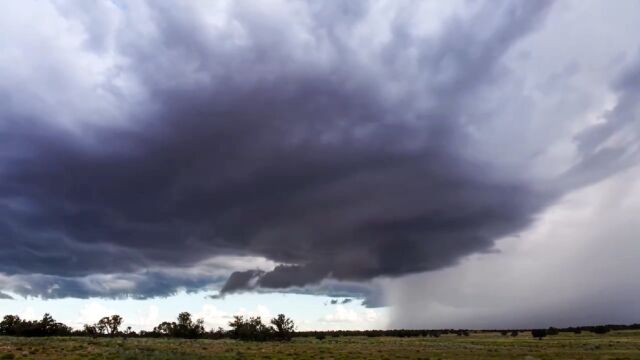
x,y
615,345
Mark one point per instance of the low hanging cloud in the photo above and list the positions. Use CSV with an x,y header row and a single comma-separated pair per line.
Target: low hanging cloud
x,y
140,284
341,302
340,141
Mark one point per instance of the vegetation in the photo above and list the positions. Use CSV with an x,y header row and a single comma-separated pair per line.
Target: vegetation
x,y
252,329
279,328
49,339
47,326
109,324
539,333
553,331
478,345
185,328
284,328
600,329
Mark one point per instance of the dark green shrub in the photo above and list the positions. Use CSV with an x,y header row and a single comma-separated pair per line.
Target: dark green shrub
x,y
539,333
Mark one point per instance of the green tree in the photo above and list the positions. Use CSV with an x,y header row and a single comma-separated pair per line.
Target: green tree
x,y
109,323
284,327
10,324
250,329
165,328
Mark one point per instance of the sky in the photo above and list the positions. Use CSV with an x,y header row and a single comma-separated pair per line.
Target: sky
x,y
353,164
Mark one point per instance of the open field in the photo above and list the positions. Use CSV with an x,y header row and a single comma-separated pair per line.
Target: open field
x,y
615,345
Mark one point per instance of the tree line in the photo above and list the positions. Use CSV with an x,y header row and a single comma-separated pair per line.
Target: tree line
x,y
280,328
536,333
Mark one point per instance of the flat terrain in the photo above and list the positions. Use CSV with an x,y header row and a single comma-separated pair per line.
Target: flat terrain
x,y
614,345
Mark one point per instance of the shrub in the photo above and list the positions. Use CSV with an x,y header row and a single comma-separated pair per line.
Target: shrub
x,y
253,329
284,328
539,333
185,328
601,329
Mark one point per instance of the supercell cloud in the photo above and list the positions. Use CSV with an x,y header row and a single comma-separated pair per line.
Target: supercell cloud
x,y
325,145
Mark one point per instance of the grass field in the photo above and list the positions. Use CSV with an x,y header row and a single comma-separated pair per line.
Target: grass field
x,y
614,345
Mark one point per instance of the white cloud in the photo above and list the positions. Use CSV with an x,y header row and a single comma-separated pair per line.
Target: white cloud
x,y
213,317
91,312
146,320
260,310
28,313
342,314
349,317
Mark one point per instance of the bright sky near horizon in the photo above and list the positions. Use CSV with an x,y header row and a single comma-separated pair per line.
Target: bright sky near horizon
x,y
309,312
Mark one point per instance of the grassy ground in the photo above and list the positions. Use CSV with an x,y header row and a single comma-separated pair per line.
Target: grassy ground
x,y
615,345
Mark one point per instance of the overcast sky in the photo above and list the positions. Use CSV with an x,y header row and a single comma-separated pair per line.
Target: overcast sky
x,y
368,163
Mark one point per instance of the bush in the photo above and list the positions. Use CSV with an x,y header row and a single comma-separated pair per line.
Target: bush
x,y
47,326
252,329
539,333
600,329
185,328
284,328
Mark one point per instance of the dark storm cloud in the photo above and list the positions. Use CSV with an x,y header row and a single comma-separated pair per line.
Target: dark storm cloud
x,y
5,296
142,284
344,301
258,148
370,294
240,280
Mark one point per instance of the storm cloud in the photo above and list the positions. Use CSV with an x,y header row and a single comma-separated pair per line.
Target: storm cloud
x,y
337,141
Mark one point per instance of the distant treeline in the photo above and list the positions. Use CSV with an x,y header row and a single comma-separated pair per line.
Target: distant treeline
x,y
279,328
537,333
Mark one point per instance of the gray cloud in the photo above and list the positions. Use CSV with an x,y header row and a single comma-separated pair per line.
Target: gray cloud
x,y
589,277
339,159
240,280
574,265
600,156
369,293
343,301
144,283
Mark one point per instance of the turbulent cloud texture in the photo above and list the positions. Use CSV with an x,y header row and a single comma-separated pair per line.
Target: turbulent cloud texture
x,y
337,141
